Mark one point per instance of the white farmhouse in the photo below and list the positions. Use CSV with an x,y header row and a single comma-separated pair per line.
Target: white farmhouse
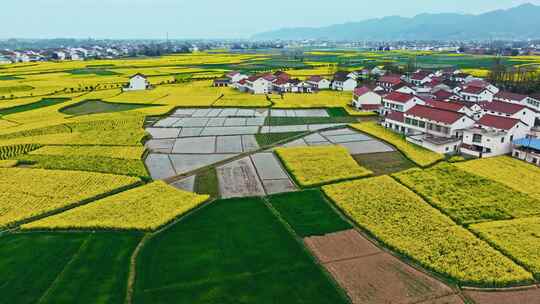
x,y
137,82
435,129
505,109
366,100
235,77
260,84
493,136
319,82
342,82
400,102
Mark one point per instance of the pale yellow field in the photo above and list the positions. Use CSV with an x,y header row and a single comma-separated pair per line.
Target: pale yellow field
x,y
145,208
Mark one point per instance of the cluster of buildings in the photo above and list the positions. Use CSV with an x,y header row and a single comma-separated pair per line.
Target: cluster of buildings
x,y
281,82
61,54
449,112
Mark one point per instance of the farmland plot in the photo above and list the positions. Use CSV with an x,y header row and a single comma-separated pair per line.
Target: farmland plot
x,y
145,208
246,252
28,193
466,197
57,268
410,226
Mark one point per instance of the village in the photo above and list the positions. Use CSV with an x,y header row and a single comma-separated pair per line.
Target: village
x,y
446,111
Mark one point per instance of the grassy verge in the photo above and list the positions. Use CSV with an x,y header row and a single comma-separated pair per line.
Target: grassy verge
x,y
46,102
285,121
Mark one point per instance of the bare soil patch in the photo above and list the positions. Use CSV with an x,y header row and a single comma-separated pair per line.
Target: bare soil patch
x,y
530,296
342,245
452,299
381,278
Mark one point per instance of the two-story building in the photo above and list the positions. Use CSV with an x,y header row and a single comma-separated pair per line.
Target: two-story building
x,y
432,128
400,102
512,110
493,136
364,99
342,82
259,84
527,149
389,81
320,82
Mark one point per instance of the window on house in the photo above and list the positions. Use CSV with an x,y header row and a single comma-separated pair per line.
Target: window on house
x,y
502,139
446,149
422,124
477,138
511,138
516,154
534,160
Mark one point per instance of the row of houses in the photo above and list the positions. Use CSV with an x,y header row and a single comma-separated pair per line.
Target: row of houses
x,y
281,82
452,112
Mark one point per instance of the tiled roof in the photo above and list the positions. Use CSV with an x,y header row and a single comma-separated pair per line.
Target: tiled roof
x,y
502,107
361,91
393,79
510,96
442,95
435,114
396,116
399,97
445,105
498,122
473,90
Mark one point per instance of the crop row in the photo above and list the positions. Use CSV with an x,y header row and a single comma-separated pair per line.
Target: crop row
x,y
144,208
404,222
29,193
7,152
313,166
466,197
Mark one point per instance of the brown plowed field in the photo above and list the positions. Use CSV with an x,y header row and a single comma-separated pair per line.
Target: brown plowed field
x,y
372,276
529,296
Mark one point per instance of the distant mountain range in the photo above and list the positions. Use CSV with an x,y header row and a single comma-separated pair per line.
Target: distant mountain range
x,y
521,22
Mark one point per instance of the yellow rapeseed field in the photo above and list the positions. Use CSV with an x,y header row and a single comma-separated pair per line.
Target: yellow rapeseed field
x,y
417,154
123,152
518,238
27,193
144,208
404,222
313,166
8,163
323,99
509,171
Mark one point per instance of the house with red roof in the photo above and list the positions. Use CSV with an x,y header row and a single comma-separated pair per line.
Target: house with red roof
x,y
364,99
450,106
388,81
436,129
260,84
320,82
420,78
529,101
493,136
475,93
235,76
400,102
512,110
403,87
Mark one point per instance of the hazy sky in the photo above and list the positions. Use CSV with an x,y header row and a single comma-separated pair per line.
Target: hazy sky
x,y
206,18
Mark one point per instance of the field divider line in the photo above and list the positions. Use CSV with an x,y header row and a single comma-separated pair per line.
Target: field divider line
x,y
353,258
16,225
133,269
370,237
177,178
491,244
304,248
83,246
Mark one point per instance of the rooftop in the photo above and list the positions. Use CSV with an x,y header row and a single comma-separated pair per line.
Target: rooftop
x,y
435,114
498,122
